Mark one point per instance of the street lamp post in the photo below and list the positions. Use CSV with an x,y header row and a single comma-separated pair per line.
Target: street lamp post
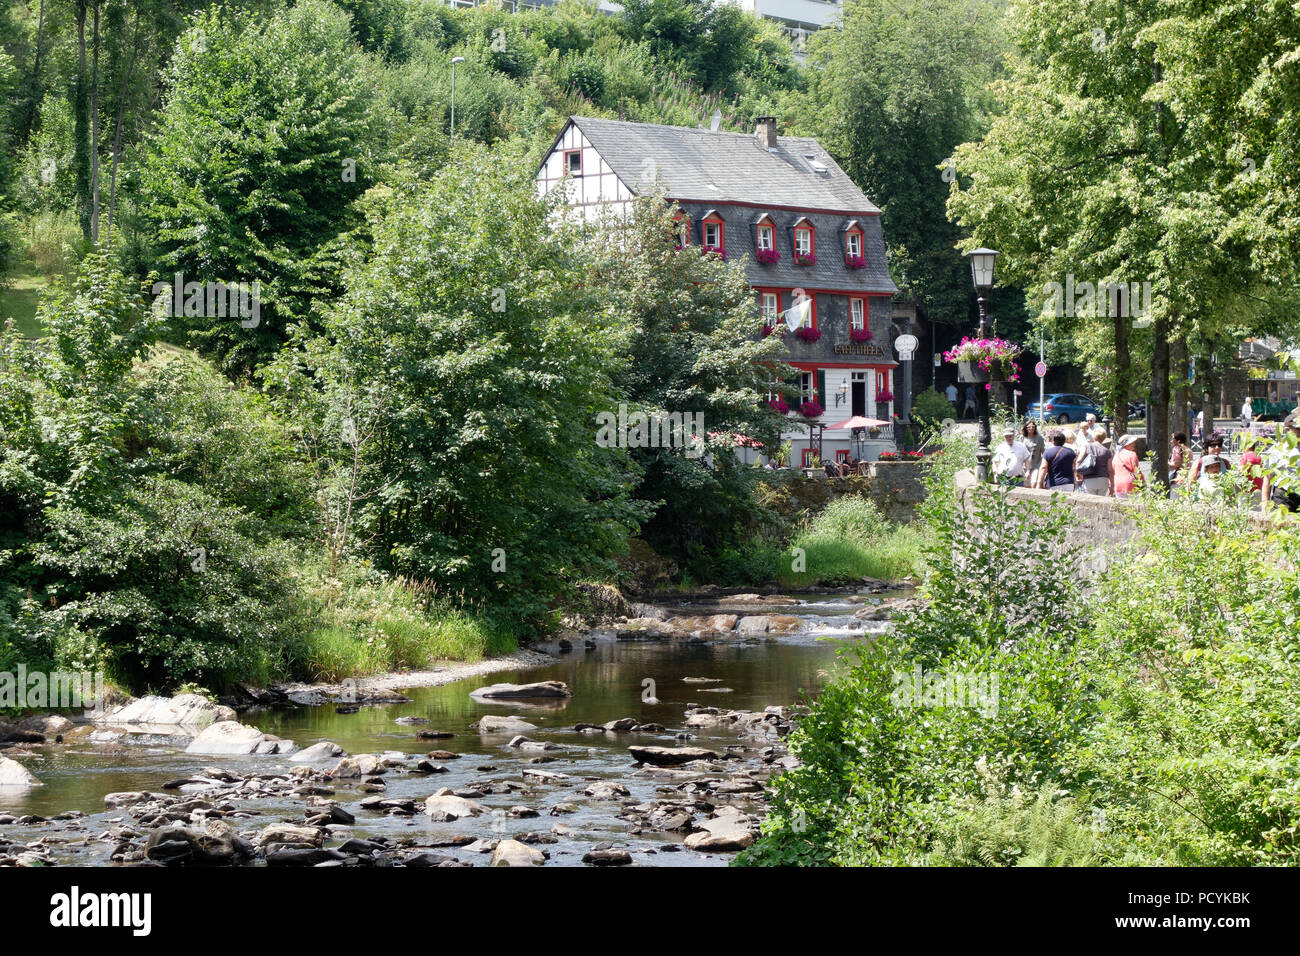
x,y
981,270
454,61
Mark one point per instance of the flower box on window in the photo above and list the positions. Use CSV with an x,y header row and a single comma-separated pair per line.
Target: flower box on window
x,y
884,395
778,330
767,256
805,260
860,335
779,406
718,250
855,262
808,334
811,409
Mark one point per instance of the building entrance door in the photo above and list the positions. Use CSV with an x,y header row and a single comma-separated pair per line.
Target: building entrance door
x,y
859,389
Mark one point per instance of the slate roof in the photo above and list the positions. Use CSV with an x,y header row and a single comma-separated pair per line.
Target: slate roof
x,y
719,168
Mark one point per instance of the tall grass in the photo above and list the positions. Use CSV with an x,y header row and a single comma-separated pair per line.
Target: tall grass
x,y
364,623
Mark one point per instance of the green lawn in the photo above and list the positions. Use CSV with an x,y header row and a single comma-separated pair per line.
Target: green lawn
x,y
19,299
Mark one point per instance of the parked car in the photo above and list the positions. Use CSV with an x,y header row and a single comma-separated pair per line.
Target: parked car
x,y
1065,407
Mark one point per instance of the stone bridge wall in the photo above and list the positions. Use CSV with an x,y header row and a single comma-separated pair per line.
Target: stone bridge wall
x,y
895,487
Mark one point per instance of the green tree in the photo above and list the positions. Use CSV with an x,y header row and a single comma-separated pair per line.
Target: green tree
x,y
893,93
266,139
450,400
688,337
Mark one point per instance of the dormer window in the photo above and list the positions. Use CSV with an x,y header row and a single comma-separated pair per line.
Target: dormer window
x,y
715,234
573,162
853,246
765,240
804,246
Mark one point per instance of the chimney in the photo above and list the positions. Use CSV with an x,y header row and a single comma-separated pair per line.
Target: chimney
x,y
766,132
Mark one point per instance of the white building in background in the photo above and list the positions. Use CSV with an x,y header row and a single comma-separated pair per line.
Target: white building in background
x,y
799,18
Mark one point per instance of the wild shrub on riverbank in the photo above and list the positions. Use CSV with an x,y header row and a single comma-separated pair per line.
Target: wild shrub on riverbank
x,y
849,540
1158,712
369,623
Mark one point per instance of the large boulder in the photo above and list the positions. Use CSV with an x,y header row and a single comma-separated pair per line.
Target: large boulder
x,y
445,805
229,737
503,725
729,829
286,834
160,715
51,725
514,853
9,734
548,689
177,845
14,774
671,756
768,624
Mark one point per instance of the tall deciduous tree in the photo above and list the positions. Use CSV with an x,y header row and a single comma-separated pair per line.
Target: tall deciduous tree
x,y
451,397
1093,175
689,345
266,139
893,93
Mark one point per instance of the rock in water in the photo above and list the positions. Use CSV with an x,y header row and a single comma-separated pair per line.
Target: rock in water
x,y
514,853
14,774
325,750
728,830
671,756
607,857
504,725
185,710
445,805
228,737
546,688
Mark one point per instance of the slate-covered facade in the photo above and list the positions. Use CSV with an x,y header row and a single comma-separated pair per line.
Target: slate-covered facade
x,y
779,194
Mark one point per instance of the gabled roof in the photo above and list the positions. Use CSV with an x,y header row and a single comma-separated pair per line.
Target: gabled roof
x,y
700,165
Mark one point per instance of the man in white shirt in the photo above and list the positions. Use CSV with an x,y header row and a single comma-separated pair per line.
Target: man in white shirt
x,y
951,392
1247,413
1010,459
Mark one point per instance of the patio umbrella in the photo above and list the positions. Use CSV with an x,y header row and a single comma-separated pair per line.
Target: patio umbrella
x,y
857,421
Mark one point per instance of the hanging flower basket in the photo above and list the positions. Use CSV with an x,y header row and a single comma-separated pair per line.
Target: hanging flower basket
x,y
767,256
802,260
984,360
811,409
807,333
860,335
779,406
855,262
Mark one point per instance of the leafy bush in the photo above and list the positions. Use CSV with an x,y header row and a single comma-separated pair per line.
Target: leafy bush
x,y
931,407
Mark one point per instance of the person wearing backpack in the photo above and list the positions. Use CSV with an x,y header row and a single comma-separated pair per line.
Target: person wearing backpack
x,y
1092,470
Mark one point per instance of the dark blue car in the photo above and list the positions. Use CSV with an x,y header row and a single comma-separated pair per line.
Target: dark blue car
x,y
1064,407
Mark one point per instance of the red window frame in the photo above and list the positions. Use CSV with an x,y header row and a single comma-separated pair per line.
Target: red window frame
x,y
762,292
812,239
722,234
807,456
682,229
841,454
567,170
866,312
862,243
812,316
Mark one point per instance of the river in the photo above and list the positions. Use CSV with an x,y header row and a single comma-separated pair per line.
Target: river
x,y
609,680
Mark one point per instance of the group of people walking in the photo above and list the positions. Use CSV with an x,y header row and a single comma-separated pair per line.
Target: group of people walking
x,y
1090,463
